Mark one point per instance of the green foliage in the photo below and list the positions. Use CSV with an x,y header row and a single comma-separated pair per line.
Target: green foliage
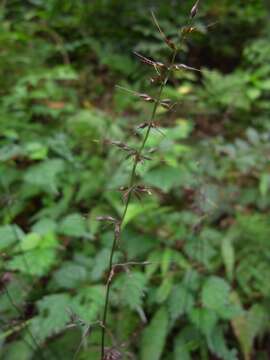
x,y
73,225
215,294
154,336
228,255
180,302
8,236
197,286
51,318
131,289
37,255
248,326
44,175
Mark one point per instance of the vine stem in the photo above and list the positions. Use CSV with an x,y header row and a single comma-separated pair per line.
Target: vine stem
x,y
131,183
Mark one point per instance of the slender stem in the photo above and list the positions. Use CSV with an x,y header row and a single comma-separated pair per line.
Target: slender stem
x,y
133,176
36,344
131,183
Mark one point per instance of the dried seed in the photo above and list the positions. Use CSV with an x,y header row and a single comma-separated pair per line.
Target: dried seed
x,y
187,30
112,354
170,43
194,9
143,189
146,97
143,157
125,192
156,79
121,145
184,67
143,125
167,104
125,147
123,188
147,61
106,218
153,126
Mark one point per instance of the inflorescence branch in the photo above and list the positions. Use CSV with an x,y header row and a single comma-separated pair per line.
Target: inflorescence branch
x,y
163,72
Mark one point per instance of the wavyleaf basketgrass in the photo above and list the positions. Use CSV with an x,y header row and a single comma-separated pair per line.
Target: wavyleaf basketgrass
x,y
163,73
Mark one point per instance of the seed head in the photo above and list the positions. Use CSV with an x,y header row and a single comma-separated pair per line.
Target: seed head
x,y
106,218
194,9
112,354
184,67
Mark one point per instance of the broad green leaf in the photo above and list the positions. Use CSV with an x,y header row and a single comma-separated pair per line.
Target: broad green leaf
x,y
89,302
92,222
180,352
154,336
8,236
64,72
181,131
192,280
9,152
180,260
45,175
218,346
36,263
137,209
228,255
70,275
33,241
87,125
44,226
215,293
17,347
167,177
166,261
36,151
204,319
131,288
264,184
30,242
164,289
52,316
18,289
73,225
253,136
188,340
180,301
100,263
136,244
154,260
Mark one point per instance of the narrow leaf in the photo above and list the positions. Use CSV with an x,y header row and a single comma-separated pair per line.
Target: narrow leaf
x,y
154,336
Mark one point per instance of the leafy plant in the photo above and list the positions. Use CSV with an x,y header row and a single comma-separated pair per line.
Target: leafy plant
x,y
138,156
201,234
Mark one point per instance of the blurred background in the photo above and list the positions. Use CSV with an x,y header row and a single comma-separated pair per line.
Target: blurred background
x,y
205,230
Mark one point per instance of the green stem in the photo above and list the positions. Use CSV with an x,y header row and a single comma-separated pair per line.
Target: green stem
x,y
131,183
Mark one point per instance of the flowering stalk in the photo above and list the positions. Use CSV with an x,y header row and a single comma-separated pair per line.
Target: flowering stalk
x,y
164,73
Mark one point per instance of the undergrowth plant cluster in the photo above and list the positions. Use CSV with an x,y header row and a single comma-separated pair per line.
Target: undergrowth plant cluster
x,y
134,224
